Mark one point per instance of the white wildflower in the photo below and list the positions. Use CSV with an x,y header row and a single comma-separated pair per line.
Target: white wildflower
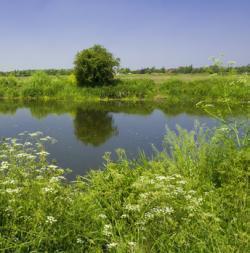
x,y
182,182
50,220
132,244
124,216
79,241
42,153
52,166
159,211
130,207
10,191
31,156
102,216
160,178
112,245
27,143
5,165
48,189
107,230
21,155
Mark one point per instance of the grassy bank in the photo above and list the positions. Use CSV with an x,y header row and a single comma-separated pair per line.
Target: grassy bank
x,y
191,197
172,88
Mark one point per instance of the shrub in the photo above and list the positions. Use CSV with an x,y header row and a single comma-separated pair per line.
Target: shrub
x,y
95,66
8,82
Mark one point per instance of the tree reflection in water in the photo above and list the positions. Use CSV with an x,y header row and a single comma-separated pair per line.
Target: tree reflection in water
x,y
94,127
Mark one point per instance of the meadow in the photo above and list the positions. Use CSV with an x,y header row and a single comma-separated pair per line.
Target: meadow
x,y
174,88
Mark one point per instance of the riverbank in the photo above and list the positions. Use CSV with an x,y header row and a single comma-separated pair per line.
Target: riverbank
x,y
191,197
174,89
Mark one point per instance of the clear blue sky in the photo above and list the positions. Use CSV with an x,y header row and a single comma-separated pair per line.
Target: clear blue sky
x,y
48,33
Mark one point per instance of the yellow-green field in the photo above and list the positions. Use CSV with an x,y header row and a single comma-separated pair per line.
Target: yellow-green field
x,y
160,77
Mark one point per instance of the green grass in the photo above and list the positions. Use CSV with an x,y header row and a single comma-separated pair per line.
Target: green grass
x,y
159,78
191,197
171,88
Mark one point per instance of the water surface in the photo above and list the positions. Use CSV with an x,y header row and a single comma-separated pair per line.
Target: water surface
x,y
84,132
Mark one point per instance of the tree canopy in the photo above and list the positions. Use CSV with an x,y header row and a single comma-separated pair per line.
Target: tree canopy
x,y
95,66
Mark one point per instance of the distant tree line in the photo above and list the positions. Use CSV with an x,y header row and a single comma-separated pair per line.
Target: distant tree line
x,y
190,70
180,70
142,71
29,72
210,69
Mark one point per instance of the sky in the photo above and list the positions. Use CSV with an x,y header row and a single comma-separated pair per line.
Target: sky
x,y
39,34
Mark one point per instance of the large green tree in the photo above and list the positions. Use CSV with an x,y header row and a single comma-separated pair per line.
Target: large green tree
x,y
95,66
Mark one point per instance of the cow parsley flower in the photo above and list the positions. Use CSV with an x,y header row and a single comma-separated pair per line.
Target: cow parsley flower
x,y
50,220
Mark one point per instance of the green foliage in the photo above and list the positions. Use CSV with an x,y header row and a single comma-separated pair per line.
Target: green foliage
x,y
215,89
95,66
173,88
125,89
191,197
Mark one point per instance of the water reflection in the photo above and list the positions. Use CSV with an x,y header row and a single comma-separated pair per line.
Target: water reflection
x,y
94,127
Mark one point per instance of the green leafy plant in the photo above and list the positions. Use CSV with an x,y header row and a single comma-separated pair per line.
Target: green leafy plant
x,y
95,66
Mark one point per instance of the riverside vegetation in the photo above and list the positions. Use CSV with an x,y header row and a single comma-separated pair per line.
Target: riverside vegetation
x,y
190,197
170,88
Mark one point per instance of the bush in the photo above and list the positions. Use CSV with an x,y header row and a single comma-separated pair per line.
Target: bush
x,y
95,66
8,82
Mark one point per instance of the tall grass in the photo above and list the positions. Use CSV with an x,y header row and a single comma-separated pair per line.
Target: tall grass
x,y
42,86
191,197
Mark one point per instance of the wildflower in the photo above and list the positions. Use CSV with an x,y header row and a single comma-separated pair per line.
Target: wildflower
x,y
48,189
79,241
182,182
18,145
188,197
102,216
124,216
52,166
112,245
158,211
11,181
132,244
160,178
107,230
21,155
42,153
27,143
32,134
31,156
50,220
54,179
4,165
35,134
43,139
10,191
130,207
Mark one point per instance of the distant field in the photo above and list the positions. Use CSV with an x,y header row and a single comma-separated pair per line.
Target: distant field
x,y
160,77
